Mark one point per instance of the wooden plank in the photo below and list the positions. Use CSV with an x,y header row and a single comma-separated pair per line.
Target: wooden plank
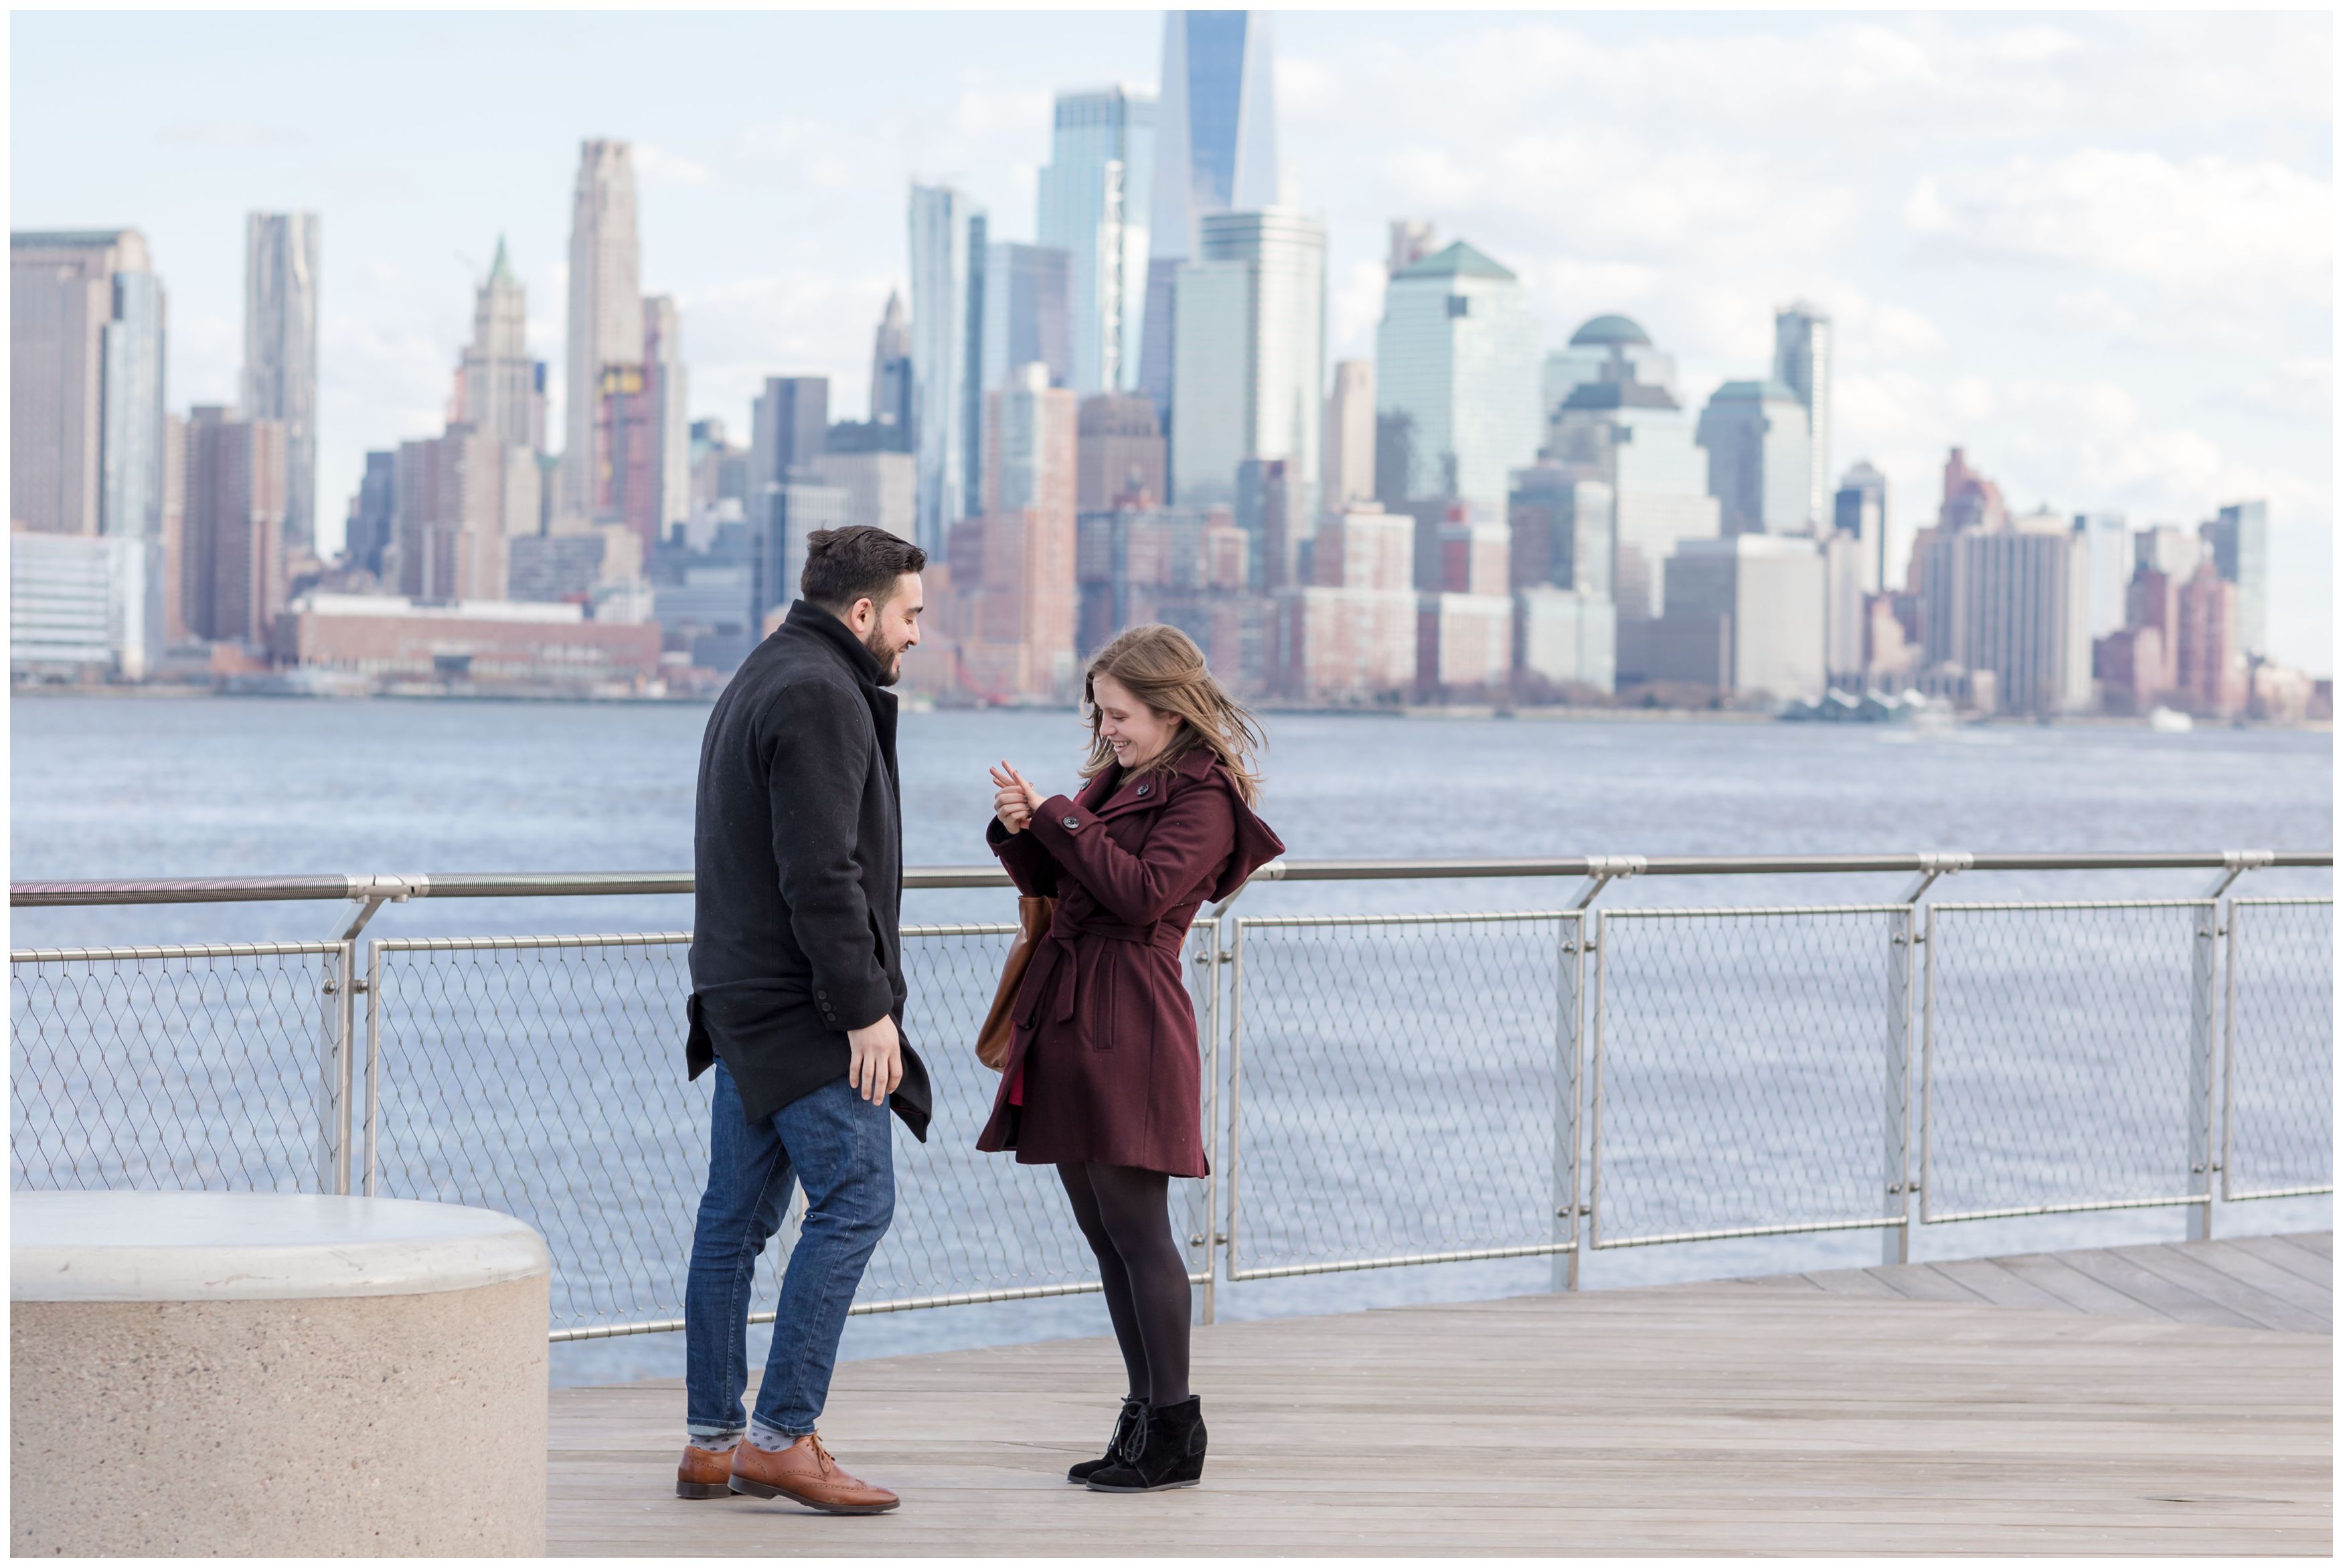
x,y
1854,1283
2320,1241
2174,1302
1681,1420
2240,1264
1923,1282
2177,1264
2290,1255
1991,1282
2051,1272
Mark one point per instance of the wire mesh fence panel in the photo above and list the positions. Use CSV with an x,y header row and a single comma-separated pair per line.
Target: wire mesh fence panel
x,y
2278,1129
544,1077
1396,1090
2066,1057
201,1068
1749,1073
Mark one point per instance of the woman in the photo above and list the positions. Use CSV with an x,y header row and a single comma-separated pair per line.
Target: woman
x,y
1102,1079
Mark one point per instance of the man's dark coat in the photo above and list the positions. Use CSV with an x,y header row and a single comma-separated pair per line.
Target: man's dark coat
x,y
797,871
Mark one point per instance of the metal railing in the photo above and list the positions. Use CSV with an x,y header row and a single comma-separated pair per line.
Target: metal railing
x,y
1379,1090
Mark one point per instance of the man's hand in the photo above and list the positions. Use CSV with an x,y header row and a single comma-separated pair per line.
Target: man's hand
x,y
875,1065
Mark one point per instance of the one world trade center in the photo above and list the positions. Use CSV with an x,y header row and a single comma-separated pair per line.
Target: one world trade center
x,y
1215,151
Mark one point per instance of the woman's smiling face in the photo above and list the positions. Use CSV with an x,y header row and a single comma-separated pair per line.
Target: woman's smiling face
x,y
1136,731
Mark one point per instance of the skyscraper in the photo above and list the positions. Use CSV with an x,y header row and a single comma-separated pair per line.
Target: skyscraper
x,y
1859,510
1456,357
1251,368
499,379
373,518
1347,467
280,354
790,423
947,261
1093,207
1760,462
1117,451
2239,543
1560,515
1411,242
1631,434
459,501
606,310
1765,597
233,575
1801,362
670,422
2209,666
891,366
1026,321
86,419
1215,150
2020,606
1609,348
1026,594
2106,565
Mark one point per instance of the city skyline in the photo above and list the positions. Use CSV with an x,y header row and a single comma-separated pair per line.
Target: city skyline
x,y
1965,316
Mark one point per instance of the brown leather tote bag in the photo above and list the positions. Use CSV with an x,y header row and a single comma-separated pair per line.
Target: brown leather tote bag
x,y
1033,916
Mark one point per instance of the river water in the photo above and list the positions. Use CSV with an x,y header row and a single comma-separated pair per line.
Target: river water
x,y
148,787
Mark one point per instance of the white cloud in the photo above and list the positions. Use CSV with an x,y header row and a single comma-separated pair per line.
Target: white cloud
x,y
660,166
241,135
801,153
1353,307
2205,224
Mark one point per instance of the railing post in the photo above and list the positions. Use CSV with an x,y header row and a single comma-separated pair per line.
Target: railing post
x,y
1236,1097
1601,942
1571,960
334,1076
373,1063
2203,954
1903,935
2205,971
1208,1305
1895,1240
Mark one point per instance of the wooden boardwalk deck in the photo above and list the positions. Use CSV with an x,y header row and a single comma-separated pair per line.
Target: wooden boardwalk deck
x,y
2157,1399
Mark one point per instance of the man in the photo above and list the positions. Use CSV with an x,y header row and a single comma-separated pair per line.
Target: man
x,y
798,1002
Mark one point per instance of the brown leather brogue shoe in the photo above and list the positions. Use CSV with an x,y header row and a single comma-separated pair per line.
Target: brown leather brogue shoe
x,y
704,1475
805,1472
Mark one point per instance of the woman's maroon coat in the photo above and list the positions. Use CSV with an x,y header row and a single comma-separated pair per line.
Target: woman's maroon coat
x,y
1105,1033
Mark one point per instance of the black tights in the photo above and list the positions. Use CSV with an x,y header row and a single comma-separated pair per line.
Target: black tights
x,y
1122,1214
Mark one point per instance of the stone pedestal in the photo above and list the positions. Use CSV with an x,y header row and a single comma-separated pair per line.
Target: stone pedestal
x,y
265,1374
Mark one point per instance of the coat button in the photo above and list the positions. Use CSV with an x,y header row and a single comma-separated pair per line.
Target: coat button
x,y
1070,823
1144,789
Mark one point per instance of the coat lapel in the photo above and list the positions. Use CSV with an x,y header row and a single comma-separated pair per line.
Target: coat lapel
x,y
1149,793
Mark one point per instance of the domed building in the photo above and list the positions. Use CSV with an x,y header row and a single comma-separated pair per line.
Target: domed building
x,y
1612,418
1608,349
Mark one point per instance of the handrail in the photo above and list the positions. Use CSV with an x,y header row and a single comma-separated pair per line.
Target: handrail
x,y
604,884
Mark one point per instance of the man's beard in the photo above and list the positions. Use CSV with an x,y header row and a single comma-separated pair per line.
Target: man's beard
x,y
889,654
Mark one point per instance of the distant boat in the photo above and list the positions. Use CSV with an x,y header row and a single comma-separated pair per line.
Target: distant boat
x,y
2169,721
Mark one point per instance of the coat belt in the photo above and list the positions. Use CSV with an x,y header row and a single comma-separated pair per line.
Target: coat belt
x,y
1055,956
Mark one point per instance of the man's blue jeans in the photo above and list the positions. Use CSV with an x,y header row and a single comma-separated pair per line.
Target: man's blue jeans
x,y
841,1147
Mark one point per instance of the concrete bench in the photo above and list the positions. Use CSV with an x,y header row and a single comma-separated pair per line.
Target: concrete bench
x,y
274,1375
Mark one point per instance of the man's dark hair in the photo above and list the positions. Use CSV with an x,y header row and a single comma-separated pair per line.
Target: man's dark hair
x,y
843,565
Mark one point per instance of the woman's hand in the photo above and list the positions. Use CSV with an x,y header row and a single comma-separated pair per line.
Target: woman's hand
x,y
1015,801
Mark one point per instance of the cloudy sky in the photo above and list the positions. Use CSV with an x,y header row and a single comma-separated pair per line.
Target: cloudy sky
x,y
2095,250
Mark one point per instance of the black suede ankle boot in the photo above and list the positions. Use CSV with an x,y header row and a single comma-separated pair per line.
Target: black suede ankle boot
x,y
1126,1437
1170,1452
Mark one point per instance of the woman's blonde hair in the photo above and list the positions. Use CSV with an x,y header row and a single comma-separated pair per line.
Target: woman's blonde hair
x,y
1163,667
